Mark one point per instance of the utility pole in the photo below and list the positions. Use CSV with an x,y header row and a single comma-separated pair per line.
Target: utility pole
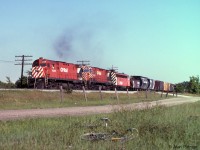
x,y
22,63
113,68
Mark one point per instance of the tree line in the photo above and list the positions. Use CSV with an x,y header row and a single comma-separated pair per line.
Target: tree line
x,y
192,86
8,84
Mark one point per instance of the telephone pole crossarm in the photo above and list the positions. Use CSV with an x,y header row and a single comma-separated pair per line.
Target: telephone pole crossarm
x,y
23,62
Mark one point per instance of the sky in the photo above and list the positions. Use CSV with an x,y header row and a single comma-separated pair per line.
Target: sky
x,y
159,39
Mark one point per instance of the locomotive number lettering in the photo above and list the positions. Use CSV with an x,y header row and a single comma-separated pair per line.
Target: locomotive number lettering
x,y
63,69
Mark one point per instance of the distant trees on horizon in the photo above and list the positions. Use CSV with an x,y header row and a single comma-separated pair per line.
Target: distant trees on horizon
x,y
7,84
192,86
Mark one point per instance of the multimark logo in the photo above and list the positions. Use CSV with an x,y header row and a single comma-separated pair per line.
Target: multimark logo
x,y
63,69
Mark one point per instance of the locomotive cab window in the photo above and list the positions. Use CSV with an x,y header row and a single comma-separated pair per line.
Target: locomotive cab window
x,y
35,63
43,64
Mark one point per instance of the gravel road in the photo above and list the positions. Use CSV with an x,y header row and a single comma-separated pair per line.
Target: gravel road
x,y
78,111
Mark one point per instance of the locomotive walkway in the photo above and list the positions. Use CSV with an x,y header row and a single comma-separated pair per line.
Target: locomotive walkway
x,y
79,111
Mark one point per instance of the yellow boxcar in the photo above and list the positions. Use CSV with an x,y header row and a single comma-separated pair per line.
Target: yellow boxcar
x,y
166,86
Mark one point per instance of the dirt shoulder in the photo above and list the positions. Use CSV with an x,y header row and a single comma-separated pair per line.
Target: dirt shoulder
x,y
79,111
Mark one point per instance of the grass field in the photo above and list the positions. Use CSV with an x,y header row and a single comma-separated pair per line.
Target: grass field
x,y
176,127
13,99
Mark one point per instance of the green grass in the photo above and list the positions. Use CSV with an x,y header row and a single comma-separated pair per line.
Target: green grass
x,y
176,127
190,94
37,99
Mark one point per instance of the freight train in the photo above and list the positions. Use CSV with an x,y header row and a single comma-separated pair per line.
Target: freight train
x,y
50,74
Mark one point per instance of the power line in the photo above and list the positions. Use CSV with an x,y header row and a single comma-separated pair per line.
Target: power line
x,y
6,61
113,68
83,62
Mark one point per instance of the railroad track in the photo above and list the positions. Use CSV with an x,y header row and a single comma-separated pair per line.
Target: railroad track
x,y
87,91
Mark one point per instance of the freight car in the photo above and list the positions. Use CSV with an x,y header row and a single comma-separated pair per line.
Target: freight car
x,y
163,86
159,85
139,82
142,83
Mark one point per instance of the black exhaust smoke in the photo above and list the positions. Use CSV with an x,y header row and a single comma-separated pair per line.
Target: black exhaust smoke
x,y
63,45
80,43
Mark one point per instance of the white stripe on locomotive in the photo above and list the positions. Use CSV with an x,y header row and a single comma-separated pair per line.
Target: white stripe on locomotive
x,y
37,72
113,78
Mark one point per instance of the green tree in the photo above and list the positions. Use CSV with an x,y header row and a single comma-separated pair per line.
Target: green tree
x,y
24,82
8,80
194,86
7,84
180,88
2,84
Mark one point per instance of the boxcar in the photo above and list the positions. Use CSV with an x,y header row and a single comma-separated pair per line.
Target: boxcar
x,y
166,87
159,85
